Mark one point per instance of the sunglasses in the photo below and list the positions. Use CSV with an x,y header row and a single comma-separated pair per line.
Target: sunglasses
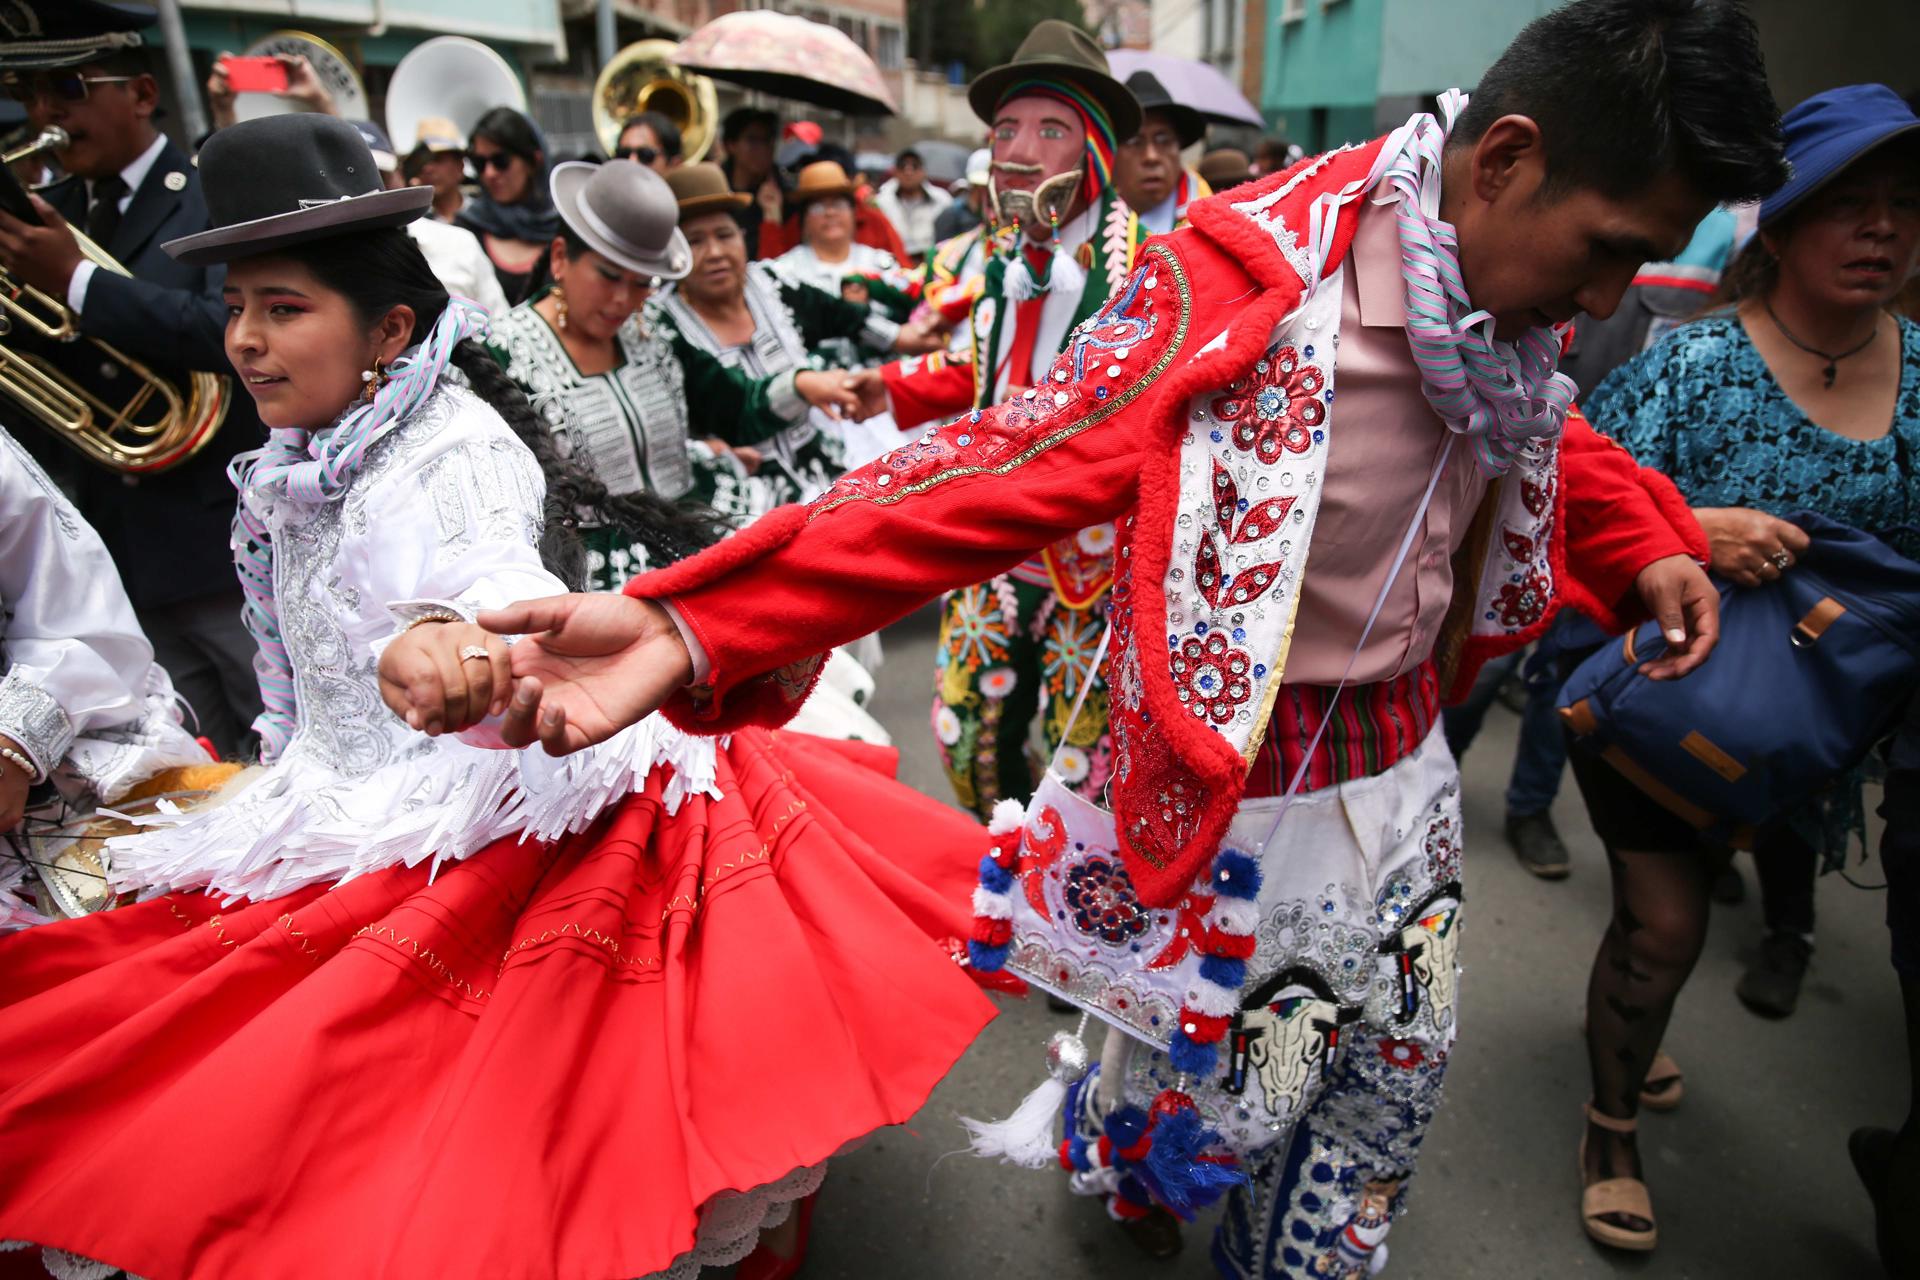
x,y
645,155
500,160
67,86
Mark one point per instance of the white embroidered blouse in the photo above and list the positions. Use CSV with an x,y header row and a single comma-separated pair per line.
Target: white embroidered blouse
x,y
445,513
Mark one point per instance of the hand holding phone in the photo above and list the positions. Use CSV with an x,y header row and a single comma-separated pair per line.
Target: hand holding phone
x,y
255,75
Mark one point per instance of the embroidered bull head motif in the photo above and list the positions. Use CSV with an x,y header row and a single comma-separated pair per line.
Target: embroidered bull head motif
x,y
1429,951
1288,1028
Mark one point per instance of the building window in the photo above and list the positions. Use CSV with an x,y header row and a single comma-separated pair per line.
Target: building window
x,y
1293,10
887,48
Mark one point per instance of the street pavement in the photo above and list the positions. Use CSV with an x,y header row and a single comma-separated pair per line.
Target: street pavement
x,y
1749,1176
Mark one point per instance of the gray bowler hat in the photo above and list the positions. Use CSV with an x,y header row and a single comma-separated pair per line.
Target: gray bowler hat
x,y
626,213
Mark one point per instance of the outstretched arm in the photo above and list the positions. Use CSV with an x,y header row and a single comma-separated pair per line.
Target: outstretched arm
x,y
953,507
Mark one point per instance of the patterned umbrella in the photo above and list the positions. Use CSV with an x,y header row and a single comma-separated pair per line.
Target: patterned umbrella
x,y
1198,84
788,57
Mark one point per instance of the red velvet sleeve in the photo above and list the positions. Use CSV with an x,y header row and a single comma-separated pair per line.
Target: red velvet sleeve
x,y
950,508
924,388
1620,518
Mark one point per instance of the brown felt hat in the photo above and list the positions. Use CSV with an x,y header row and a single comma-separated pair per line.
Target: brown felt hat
x,y
1059,51
702,188
818,180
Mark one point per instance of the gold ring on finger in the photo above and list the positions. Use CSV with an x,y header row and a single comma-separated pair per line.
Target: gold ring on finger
x,y
1782,560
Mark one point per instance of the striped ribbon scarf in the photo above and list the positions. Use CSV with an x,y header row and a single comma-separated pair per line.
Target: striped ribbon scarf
x,y
1500,395
314,467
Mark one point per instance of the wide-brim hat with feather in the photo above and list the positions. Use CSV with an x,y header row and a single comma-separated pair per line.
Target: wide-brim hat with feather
x,y
285,180
43,35
1058,51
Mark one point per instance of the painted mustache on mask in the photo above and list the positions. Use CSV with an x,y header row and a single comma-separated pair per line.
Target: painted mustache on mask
x,y
1016,169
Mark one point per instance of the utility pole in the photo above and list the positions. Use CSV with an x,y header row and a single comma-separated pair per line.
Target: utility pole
x,y
193,114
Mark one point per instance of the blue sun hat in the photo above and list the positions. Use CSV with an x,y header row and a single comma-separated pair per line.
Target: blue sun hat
x,y
1828,132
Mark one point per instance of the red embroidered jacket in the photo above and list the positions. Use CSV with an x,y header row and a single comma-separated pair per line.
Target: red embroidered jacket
x,y
958,505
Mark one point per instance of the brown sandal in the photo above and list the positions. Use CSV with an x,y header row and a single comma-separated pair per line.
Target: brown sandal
x,y
1665,1084
1615,1195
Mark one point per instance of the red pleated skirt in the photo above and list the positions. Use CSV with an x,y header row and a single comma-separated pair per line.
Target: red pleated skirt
x,y
539,1065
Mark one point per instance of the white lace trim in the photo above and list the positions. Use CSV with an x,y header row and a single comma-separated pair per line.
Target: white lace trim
x,y
302,823
730,1227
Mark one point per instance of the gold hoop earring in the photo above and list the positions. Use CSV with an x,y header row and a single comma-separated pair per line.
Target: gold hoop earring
x,y
560,308
374,379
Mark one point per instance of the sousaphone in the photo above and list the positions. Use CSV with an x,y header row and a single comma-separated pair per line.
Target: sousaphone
x,y
643,77
452,77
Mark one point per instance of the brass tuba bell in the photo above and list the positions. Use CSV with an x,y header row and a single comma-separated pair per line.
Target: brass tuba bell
x,y
643,77
149,426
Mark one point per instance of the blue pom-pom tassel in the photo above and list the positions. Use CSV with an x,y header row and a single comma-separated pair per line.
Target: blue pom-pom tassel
x,y
1124,1126
1173,1170
994,878
985,958
1224,971
1192,1058
1236,874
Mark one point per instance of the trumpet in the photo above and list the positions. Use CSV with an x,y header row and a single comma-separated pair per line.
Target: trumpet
x,y
151,426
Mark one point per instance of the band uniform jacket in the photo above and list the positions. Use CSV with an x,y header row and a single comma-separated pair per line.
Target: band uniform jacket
x,y
168,532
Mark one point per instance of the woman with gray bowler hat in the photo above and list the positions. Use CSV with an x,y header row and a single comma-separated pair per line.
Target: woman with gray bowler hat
x,y
504,1015
644,414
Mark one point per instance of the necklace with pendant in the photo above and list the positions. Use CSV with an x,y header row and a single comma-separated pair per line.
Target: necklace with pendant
x,y
1833,360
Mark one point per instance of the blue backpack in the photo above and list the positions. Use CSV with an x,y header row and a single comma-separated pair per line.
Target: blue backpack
x,y
1811,670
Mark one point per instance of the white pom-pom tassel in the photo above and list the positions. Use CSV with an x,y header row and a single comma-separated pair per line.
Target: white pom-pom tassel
x,y
990,905
1024,1138
1008,817
1237,916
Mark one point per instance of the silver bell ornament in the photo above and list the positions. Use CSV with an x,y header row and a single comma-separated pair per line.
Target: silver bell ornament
x,y
1067,1057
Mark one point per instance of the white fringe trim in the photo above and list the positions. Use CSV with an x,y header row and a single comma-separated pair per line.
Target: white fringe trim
x,y
302,823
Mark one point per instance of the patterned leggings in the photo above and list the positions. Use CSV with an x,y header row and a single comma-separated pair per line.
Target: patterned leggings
x,y
1010,651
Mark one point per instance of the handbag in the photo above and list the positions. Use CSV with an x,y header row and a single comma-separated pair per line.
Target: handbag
x,y
1811,670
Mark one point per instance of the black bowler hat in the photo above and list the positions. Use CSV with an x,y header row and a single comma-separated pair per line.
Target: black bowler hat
x,y
283,180
40,35
1188,124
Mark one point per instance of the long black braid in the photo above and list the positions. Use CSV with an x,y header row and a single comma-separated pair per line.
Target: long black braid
x,y
379,270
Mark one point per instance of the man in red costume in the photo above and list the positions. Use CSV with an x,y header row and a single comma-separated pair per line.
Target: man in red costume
x,y
1451,503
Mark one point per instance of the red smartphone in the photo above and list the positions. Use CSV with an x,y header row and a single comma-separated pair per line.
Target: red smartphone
x,y
255,75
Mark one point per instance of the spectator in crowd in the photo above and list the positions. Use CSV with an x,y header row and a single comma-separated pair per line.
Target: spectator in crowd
x,y
1804,394
454,253
651,139
513,217
1148,170
1225,168
1271,155
439,160
967,210
746,138
1888,1162
912,204
650,413
830,255
870,226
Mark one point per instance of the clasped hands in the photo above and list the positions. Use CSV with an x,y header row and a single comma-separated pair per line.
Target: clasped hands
x,y
585,667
